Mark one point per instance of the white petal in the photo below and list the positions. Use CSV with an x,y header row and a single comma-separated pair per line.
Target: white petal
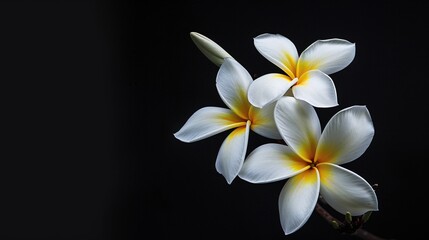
x,y
209,48
263,121
207,122
232,82
299,126
269,88
298,199
271,162
316,88
329,56
232,153
279,50
346,136
345,191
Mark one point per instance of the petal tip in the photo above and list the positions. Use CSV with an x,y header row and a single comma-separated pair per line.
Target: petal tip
x,y
229,179
326,105
178,136
256,105
194,34
253,102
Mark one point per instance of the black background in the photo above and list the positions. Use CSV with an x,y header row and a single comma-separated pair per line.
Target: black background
x,y
91,93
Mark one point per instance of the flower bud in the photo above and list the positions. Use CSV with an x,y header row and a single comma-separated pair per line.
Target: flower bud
x,y
348,217
366,216
210,49
335,225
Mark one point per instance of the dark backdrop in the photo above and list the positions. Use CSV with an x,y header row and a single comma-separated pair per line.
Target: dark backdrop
x,y
92,92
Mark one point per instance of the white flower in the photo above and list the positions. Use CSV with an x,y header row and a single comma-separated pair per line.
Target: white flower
x,y
311,162
306,75
232,82
209,48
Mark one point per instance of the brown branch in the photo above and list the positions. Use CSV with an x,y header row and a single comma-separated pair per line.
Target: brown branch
x,y
345,227
327,216
363,234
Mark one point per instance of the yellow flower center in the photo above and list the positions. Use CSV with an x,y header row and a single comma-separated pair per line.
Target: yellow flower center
x,y
313,164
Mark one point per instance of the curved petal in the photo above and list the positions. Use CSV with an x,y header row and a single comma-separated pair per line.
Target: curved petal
x,y
316,88
232,152
271,162
263,121
329,56
299,126
269,88
345,191
279,50
232,82
346,136
298,199
207,122
209,48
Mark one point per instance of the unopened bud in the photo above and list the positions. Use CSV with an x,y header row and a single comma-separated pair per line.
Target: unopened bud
x,y
348,217
366,216
209,48
335,225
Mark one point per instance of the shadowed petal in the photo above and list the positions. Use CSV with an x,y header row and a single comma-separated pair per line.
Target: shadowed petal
x,y
299,126
271,162
263,121
329,56
232,153
207,122
232,82
298,199
345,191
346,136
316,88
269,88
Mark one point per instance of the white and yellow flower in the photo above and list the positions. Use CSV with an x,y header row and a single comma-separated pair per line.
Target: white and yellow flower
x,y
306,74
311,161
232,82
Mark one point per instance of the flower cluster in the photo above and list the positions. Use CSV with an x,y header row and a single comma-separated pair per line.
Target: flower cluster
x,y
282,106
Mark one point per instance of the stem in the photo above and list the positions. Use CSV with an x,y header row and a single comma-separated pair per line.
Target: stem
x,y
363,234
360,232
322,212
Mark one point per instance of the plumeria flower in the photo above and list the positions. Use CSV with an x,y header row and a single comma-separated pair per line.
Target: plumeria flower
x,y
311,162
232,82
306,75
